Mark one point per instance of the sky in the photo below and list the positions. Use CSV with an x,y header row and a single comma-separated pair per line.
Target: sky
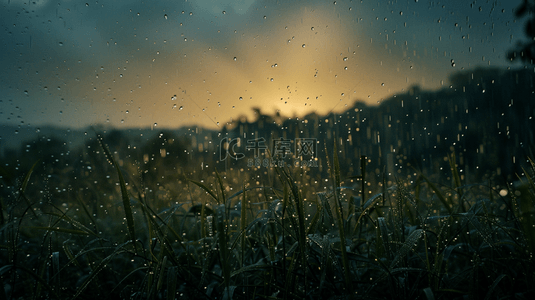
x,y
178,63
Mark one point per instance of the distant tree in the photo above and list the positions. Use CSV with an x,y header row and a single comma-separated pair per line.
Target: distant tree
x,y
526,51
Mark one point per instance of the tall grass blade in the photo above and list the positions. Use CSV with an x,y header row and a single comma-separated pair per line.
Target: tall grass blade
x,y
55,271
243,224
368,206
24,185
439,194
159,283
363,161
455,173
124,194
335,174
206,189
221,225
410,243
383,230
171,282
494,285
221,187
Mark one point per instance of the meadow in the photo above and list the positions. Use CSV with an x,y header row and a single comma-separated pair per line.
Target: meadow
x,y
297,237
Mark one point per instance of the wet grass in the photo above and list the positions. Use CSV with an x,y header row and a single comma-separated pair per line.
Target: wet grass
x,y
413,240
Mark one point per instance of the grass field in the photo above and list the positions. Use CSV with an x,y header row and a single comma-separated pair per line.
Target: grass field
x,y
410,240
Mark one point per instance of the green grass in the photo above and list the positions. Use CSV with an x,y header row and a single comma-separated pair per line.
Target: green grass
x,y
412,240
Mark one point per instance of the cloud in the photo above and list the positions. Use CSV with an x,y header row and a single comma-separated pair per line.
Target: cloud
x,y
217,7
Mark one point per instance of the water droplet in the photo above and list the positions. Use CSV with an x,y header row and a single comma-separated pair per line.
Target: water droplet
x,y
165,16
173,98
345,58
303,45
155,124
60,44
383,84
271,79
241,98
181,107
265,17
235,58
312,28
224,12
185,39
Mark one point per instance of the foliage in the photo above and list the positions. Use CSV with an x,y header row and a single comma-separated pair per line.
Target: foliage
x,y
414,239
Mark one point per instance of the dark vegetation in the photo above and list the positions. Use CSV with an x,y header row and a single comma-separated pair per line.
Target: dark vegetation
x,y
429,195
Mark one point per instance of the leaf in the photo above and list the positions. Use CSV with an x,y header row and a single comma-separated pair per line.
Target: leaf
x,y
408,246
438,192
429,293
206,189
171,282
494,285
383,231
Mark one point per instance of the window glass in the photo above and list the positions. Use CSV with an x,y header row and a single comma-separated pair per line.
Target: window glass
x,y
190,102
398,81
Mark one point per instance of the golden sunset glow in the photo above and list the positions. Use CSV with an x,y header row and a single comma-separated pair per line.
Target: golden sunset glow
x,y
195,65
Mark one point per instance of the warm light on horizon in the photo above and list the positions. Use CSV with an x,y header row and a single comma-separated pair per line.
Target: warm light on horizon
x,y
293,59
